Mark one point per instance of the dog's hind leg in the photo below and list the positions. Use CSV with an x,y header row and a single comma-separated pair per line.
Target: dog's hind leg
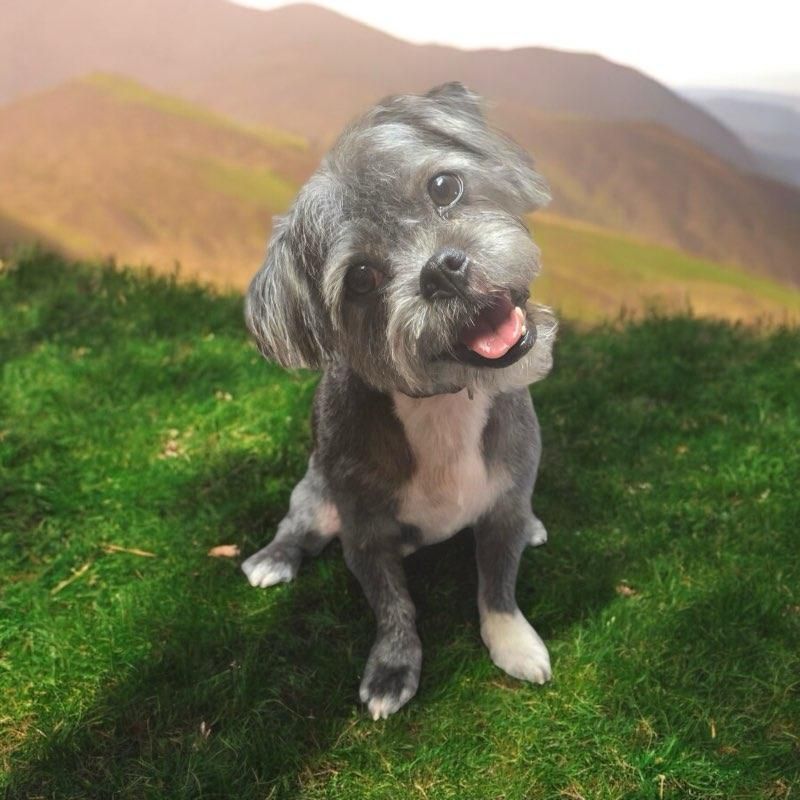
x,y
312,521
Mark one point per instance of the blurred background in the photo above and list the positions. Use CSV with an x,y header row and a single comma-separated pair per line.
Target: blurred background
x,y
171,131
144,443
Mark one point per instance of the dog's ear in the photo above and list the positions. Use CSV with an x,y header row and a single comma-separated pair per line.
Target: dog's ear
x,y
456,97
514,166
529,188
283,310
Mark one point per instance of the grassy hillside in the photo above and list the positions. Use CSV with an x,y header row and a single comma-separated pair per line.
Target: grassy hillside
x,y
138,428
14,235
644,180
620,149
103,166
592,274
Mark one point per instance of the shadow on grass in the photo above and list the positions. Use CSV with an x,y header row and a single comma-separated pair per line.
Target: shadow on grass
x,y
261,684
238,683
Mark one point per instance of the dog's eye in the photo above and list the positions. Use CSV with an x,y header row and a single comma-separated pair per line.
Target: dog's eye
x,y
363,279
445,189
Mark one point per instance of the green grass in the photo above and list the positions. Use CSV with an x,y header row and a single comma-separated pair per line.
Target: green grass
x,y
135,414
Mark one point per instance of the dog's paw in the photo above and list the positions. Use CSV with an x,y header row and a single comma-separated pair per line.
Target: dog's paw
x,y
272,564
537,533
391,676
515,646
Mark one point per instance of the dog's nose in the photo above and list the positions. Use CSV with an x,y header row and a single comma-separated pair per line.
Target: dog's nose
x,y
445,274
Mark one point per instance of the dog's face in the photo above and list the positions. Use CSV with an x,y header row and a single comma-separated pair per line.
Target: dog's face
x,y
406,256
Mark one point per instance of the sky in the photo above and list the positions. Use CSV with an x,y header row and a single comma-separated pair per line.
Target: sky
x,y
681,42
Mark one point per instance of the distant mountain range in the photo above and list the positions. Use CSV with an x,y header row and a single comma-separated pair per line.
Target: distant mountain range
x,y
642,178
768,123
218,113
308,70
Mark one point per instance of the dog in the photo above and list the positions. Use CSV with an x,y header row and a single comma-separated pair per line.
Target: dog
x,y
403,271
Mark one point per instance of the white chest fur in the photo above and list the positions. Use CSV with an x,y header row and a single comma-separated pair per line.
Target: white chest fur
x,y
451,485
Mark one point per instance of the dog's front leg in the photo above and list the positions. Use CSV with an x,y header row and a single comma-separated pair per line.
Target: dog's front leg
x,y
500,537
391,675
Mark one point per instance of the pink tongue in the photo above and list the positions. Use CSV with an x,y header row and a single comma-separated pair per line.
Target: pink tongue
x,y
496,330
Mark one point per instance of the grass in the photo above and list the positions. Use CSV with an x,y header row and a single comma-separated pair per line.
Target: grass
x,y
590,273
135,418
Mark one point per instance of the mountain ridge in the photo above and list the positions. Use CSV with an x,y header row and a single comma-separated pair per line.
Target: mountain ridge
x,y
255,65
103,165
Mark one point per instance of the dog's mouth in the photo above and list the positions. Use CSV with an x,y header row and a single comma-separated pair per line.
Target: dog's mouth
x,y
498,337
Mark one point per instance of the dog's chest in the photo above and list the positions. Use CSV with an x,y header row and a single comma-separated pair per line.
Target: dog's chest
x,y
451,485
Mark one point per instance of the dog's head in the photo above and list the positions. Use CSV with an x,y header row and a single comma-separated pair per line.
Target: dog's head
x,y
406,255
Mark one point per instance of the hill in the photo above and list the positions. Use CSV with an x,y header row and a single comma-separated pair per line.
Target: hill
x,y
140,429
104,166
13,234
307,69
642,179
768,123
591,273
621,150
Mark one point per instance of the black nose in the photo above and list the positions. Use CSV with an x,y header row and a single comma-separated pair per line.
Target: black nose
x,y
445,274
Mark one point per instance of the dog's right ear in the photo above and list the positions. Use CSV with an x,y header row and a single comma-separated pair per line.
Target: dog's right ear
x,y
282,309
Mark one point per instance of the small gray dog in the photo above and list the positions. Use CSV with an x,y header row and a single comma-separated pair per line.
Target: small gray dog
x,y
403,270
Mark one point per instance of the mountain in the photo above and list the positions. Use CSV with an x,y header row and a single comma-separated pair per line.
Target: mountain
x,y
104,166
308,70
591,273
767,122
13,234
641,178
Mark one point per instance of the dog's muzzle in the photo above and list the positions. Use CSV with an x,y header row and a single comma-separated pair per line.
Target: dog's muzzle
x,y
512,355
499,337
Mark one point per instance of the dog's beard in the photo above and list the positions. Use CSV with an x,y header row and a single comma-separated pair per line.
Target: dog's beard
x,y
424,364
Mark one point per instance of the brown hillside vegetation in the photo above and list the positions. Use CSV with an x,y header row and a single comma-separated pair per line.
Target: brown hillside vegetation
x,y
13,234
307,69
104,166
591,273
642,178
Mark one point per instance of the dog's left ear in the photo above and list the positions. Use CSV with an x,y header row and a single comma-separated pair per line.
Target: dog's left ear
x,y
457,97
283,309
528,189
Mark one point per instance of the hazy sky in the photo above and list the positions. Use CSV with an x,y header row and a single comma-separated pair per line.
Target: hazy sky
x,y
680,42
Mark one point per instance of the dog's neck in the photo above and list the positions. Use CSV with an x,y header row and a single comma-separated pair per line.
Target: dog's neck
x,y
422,395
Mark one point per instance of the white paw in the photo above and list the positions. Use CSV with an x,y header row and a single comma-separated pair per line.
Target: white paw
x,y
263,570
515,646
538,535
